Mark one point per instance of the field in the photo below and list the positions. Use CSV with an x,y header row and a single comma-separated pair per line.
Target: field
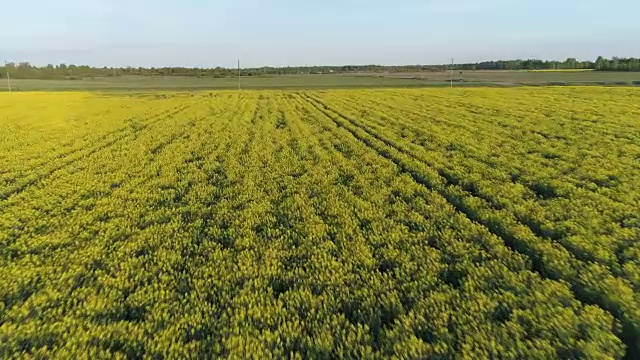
x,y
148,83
383,223
561,70
330,81
511,78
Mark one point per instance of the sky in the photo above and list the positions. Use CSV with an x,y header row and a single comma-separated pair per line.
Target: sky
x,y
199,33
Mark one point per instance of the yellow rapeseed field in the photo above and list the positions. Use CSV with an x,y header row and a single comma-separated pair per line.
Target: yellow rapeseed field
x,y
390,223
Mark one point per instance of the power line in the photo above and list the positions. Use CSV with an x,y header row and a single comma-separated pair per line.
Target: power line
x,y
239,82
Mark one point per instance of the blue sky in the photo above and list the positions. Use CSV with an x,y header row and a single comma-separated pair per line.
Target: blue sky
x,y
286,32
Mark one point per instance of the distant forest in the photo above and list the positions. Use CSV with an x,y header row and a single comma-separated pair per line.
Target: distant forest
x,y
24,70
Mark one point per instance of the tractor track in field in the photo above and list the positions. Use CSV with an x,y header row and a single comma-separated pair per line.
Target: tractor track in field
x,y
417,129
451,180
91,259
631,331
153,153
85,154
164,115
536,227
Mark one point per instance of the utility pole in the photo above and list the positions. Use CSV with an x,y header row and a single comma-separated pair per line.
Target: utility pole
x,y
451,73
239,83
6,68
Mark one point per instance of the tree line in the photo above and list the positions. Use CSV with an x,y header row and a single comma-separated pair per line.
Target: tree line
x,y
25,70
601,64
